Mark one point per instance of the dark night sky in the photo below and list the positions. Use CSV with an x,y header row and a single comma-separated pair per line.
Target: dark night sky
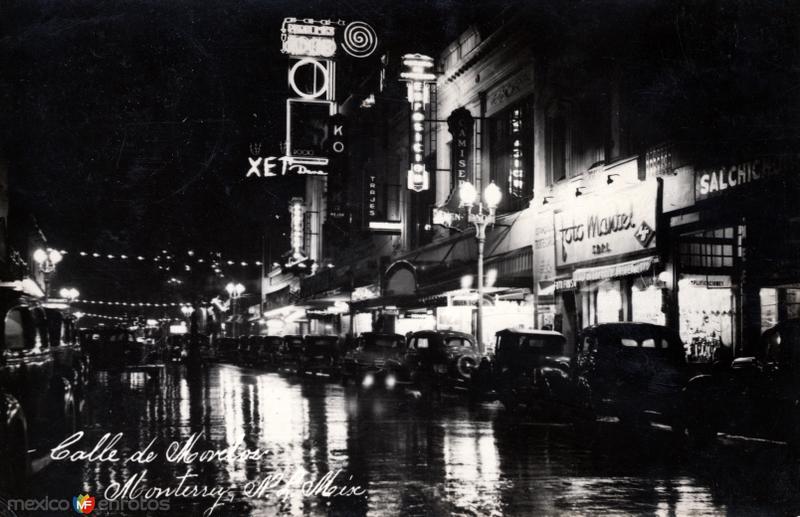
x,y
126,125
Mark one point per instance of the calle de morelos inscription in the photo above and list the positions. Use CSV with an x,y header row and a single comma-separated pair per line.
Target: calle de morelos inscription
x,y
187,456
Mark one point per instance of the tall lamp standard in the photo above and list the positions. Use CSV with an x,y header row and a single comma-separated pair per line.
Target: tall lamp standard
x,y
70,294
481,214
234,292
47,261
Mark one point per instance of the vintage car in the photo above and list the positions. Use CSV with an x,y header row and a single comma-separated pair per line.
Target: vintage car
x,y
633,371
228,350
177,348
292,350
248,347
378,360
269,352
109,348
757,396
37,403
530,368
319,354
441,359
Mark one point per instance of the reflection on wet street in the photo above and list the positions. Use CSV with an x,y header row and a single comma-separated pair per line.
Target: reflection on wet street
x,y
442,459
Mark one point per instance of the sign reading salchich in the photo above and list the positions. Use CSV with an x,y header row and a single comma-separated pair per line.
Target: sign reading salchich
x,y
460,124
717,181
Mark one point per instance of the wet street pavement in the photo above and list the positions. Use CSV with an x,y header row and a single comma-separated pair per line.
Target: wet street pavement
x,y
408,458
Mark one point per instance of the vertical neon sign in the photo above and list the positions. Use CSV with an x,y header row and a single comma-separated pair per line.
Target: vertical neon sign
x,y
516,173
418,74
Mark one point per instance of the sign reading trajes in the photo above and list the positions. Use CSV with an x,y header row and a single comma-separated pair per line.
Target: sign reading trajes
x,y
609,225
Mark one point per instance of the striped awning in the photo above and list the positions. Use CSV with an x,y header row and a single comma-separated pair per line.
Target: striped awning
x,y
632,267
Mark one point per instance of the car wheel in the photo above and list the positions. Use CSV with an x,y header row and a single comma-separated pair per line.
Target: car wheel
x,y
465,365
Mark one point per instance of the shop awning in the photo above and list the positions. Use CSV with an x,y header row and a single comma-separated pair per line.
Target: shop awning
x,y
632,267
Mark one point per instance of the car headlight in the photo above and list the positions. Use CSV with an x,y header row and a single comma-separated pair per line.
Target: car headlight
x,y
391,381
368,381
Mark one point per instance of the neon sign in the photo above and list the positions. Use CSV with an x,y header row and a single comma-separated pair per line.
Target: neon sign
x,y
418,76
308,37
516,174
268,167
297,212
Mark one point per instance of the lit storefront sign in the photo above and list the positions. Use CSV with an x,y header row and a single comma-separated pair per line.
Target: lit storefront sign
x,y
418,75
544,261
297,211
393,227
460,124
367,292
607,226
716,181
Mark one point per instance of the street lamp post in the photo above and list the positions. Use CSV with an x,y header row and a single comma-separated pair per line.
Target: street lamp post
x,y
481,214
47,260
234,293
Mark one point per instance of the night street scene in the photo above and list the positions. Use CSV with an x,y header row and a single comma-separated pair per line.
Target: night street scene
x,y
399,258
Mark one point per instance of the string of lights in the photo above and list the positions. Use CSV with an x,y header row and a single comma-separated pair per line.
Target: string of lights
x,y
134,304
117,318
165,259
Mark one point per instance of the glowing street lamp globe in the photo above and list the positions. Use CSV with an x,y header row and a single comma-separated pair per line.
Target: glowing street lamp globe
x,y
467,194
492,195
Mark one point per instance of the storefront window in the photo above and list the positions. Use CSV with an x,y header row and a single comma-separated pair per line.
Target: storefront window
x,y
707,315
609,302
646,303
769,308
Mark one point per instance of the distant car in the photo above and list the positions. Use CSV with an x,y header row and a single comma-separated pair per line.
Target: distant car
x,y
227,350
376,361
757,396
530,368
250,346
292,350
177,349
319,354
633,371
269,352
441,359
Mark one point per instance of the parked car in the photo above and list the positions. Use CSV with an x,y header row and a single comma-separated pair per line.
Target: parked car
x,y
37,403
633,371
107,348
228,350
249,346
441,359
270,351
177,348
756,396
378,360
530,368
319,354
292,350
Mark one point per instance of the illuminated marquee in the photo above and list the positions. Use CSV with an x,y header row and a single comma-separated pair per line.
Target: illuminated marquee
x,y
418,75
308,37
